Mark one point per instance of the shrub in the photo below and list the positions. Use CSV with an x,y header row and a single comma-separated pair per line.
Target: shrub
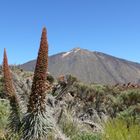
x,y
68,125
50,78
4,112
75,130
86,136
130,97
118,129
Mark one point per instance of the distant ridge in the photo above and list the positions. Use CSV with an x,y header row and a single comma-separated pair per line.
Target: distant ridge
x,y
91,67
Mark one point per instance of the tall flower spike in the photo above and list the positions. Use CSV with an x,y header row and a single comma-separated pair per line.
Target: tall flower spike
x,y
37,97
14,118
36,122
8,84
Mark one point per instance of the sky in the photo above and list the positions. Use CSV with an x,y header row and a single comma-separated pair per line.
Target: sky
x,y
108,26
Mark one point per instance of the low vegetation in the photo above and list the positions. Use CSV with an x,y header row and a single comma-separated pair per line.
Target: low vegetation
x,y
117,129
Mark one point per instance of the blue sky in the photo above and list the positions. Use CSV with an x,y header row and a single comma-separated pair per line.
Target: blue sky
x,y
109,26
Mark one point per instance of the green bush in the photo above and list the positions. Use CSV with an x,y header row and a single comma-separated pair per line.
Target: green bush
x,y
74,130
69,127
130,115
118,129
50,78
4,113
86,136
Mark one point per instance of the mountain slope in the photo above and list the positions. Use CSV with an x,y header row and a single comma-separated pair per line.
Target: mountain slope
x,y
91,67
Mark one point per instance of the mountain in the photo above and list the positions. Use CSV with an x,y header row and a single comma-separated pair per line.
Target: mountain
x,y
91,67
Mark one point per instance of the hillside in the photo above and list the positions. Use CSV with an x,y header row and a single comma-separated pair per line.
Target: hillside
x,y
91,67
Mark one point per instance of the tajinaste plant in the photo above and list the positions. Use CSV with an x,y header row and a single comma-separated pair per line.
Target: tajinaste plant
x,y
14,119
36,124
